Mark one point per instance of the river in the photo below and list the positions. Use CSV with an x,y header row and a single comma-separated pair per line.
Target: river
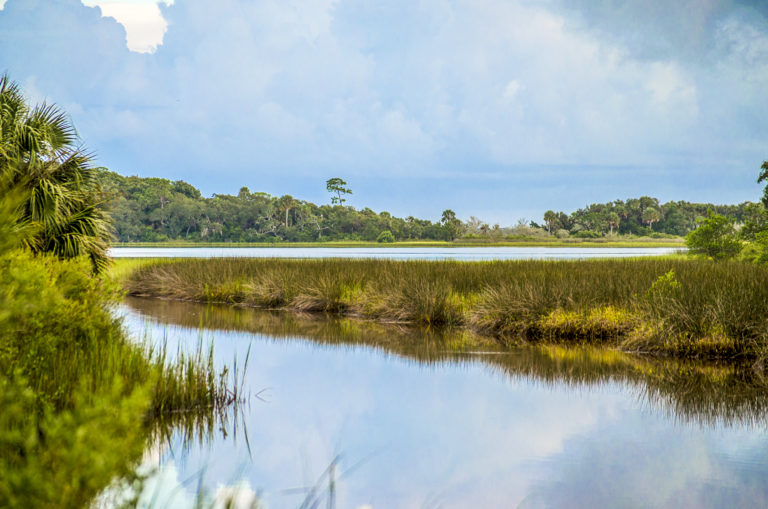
x,y
422,418
404,253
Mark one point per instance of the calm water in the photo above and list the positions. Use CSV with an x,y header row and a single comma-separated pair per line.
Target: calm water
x,y
408,253
420,420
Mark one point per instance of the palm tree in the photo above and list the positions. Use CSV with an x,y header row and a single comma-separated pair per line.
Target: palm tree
x,y
550,217
286,203
41,159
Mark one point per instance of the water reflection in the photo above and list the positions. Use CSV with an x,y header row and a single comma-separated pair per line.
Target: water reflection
x,y
705,392
439,418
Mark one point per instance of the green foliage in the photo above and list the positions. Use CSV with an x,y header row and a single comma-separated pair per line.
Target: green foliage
x,y
757,250
339,187
755,220
76,394
42,161
61,459
665,285
714,238
385,237
646,215
152,210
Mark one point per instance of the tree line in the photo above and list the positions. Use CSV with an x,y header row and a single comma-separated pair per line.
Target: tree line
x,y
644,216
156,209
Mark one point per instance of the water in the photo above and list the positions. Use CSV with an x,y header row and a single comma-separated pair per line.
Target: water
x,y
438,419
407,253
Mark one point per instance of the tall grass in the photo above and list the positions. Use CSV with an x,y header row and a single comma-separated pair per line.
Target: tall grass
x,y
660,306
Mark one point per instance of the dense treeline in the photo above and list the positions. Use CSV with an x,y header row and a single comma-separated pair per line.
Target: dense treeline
x,y
155,209
645,216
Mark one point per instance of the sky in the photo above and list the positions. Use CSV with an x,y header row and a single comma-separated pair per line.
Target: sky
x,y
500,109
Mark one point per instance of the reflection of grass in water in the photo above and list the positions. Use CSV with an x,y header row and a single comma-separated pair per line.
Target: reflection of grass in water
x,y
703,392
685,308
698,391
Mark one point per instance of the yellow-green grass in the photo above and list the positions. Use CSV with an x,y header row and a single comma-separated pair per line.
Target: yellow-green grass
x,y
664,306
517,242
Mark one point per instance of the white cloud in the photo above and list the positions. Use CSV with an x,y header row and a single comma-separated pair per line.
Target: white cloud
x,y
432,88
144,23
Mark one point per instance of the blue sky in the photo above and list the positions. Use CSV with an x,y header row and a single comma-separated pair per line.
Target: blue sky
x,y
498,109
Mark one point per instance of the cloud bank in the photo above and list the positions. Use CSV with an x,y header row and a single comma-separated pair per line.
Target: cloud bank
x,y
494,108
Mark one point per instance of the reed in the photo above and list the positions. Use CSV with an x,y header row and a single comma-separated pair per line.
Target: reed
x,y
664,306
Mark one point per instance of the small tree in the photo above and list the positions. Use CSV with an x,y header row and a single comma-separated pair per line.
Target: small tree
x,y
385,237
339,187
451,224
714,238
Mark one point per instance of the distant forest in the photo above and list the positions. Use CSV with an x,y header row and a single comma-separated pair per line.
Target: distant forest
x,y
155,209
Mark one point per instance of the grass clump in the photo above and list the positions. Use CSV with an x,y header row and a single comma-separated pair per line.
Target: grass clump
x,y
660,306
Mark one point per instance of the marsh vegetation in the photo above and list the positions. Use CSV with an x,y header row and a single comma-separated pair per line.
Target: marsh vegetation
x,y
679,307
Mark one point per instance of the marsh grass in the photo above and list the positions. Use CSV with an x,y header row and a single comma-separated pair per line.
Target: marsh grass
x,y
664,306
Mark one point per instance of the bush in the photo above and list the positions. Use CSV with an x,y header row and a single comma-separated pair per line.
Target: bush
x,y
562,234
385,237
587,234
715,238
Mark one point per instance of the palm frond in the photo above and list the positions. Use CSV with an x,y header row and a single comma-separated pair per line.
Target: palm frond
x,y
63,203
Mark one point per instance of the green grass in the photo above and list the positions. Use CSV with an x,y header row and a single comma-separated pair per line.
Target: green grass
x,y
79,398
521,242
699,309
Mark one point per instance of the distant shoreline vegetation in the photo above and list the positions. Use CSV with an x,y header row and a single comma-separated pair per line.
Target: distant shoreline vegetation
x,y
619,242
150,210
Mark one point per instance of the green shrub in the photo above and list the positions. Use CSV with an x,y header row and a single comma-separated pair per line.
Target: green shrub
x,y
714,238
385,237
